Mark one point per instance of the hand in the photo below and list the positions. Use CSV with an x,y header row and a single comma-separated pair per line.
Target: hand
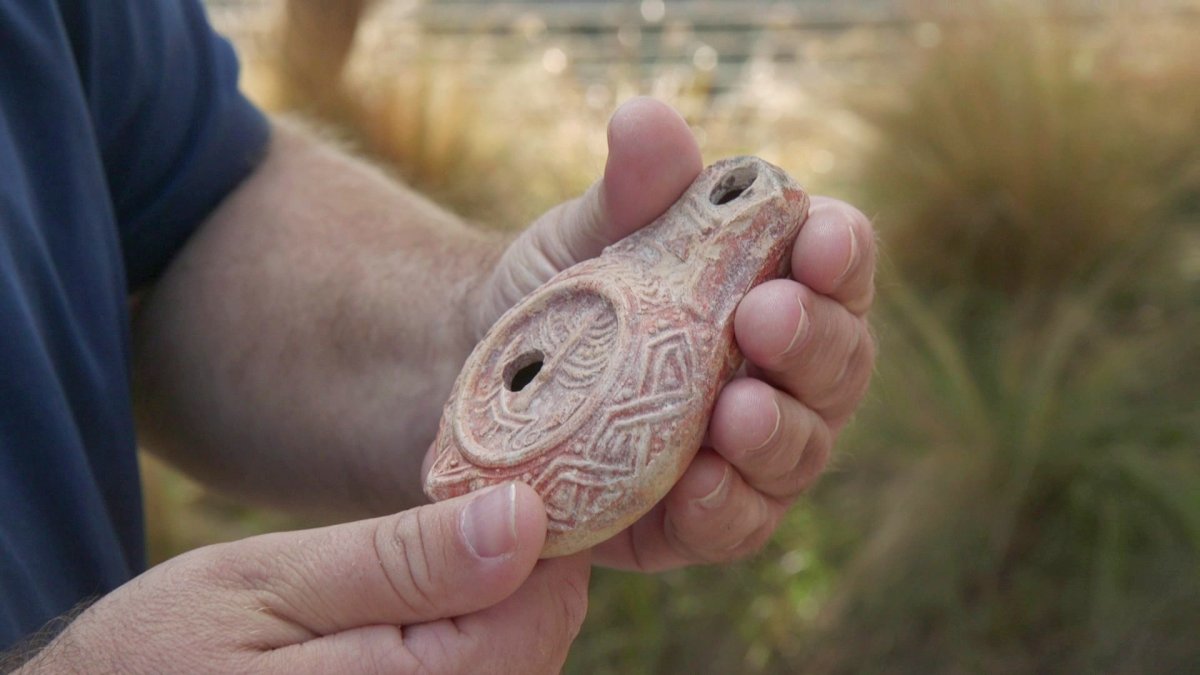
x,y
453,587
809,351
809,356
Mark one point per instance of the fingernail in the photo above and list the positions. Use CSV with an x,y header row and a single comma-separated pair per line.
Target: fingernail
x,y
774,431
719,494
489,523
801,328
852,259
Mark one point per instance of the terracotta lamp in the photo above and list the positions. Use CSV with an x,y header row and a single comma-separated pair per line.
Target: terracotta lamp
x,y
597,388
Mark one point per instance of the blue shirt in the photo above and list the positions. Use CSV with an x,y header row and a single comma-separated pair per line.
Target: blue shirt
x,y
121,127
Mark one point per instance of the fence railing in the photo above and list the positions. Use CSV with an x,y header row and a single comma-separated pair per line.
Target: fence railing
x,y
718,37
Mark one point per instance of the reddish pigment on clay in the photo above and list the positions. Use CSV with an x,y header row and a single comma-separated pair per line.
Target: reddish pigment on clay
x,y
596,389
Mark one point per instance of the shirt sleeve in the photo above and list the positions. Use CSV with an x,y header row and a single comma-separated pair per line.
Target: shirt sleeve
x,y
175,133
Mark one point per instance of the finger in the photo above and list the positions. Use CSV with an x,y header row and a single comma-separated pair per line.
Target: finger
x,y
776,444
642,547
710,515
835,254
713,515
370,649
435,561
652,159
529,632
808,345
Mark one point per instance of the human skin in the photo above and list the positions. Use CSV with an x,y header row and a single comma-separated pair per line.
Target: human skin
x,y
298,352
445,588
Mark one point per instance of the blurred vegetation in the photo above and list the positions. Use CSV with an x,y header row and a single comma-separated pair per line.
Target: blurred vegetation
x,y
1035,428
1021,491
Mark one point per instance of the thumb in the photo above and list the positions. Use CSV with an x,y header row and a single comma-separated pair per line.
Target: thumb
x,y
432,562
652,159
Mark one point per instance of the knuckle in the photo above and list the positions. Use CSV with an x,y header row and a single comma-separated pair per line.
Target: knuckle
x,y
387,653
444,653
860,382
383,650
229,566
679,538
751,521
723,536
839,392
404,559
567,611
826,387
776,458
758,534
862,303
244,572
753,544
786,476
855,379
813,459
573,603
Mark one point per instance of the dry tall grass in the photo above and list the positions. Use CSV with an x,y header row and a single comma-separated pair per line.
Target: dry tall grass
x,y
1035,428
1022,490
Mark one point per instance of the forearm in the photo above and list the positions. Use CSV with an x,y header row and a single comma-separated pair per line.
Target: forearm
x,y
300,347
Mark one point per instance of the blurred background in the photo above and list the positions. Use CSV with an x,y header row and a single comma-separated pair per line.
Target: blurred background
x,y
1021,490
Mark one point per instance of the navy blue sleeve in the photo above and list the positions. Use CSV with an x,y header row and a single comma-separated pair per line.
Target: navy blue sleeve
x,y
176,135
121,128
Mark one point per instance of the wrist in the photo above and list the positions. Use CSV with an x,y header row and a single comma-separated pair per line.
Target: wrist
x,y
51,649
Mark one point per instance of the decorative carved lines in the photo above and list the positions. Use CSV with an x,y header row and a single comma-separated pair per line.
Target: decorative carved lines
x,y
588,350
526,438
587,471
618,442
501,416
668,362
626,434
575,337
574,487
449,470
576,348
621,437
652,295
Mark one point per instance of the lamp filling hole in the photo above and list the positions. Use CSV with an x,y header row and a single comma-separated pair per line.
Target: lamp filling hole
x,y
522,370
733,185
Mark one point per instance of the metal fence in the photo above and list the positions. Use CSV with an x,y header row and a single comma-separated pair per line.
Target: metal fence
x,y
588,39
